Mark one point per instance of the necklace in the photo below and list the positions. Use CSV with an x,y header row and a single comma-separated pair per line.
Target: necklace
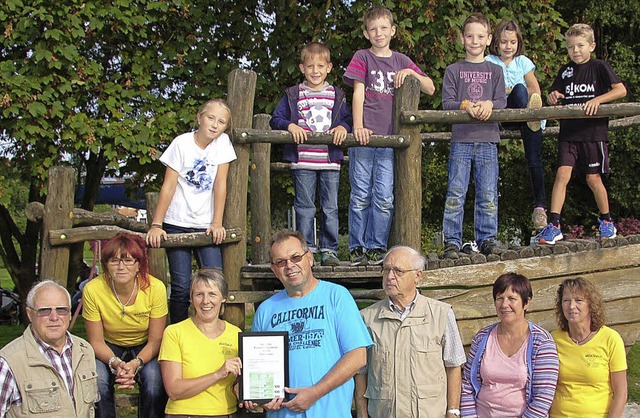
x,y
582,340
135,286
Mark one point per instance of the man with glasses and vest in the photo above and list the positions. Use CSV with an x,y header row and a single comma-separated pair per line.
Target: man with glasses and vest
x,y
327,338
47,371
413,367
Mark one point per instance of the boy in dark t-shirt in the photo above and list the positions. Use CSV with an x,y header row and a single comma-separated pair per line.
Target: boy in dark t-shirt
x,y
582,142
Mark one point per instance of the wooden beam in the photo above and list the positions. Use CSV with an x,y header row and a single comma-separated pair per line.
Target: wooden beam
x,y
240,96
550,132
81,217
54,262
260,196
251,136
519,115
406,228
157,256
534,267
58,237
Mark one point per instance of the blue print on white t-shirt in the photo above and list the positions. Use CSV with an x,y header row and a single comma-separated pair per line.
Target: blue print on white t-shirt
x,y
199,176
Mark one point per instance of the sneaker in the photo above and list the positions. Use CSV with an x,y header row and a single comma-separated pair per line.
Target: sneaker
x,y
358,257
487,247
549,235
329,259
376,256
607,229
451,251
470,247
535,102
539,218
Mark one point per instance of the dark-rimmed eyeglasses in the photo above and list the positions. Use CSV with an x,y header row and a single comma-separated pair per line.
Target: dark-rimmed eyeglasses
x,y
398,272
127,261
282,262
46,311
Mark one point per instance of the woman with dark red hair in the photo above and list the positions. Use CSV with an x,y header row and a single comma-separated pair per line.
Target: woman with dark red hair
x,y
125,312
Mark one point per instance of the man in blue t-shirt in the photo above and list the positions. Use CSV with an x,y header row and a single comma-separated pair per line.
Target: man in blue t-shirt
x,y
327,337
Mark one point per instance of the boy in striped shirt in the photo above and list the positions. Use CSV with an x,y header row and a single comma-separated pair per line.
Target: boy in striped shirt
x,y
315,106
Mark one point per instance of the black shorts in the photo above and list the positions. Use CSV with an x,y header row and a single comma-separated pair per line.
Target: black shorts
x,y
588,157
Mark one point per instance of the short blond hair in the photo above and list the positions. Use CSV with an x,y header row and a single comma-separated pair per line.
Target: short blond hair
x,y
377,12
581,29
315,48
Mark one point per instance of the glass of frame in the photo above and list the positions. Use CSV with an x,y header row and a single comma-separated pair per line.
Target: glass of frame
x,y
265,365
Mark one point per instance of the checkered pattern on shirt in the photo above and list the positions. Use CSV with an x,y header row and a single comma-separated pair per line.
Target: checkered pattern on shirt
x,y
60,362
9,393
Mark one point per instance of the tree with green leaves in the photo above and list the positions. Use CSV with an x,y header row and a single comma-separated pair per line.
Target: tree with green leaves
x,y
109,84
106,85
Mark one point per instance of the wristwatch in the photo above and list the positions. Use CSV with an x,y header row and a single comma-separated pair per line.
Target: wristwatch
x,y
455,412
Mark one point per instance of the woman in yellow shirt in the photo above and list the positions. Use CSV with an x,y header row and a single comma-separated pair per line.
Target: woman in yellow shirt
x,y
125,312
592,381
199,356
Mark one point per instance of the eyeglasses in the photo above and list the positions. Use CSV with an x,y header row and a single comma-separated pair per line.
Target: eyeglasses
x,y
46,311
398,272
127,261
282,262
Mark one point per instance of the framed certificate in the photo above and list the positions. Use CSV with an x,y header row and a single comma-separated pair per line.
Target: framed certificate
x,y
265,365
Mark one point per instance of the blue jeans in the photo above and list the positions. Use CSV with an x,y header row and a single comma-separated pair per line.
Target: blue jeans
x,y
306,183
153,398
371,203
180,270
483,158
518,99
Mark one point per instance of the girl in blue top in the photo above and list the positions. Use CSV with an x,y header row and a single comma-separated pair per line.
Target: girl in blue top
x,y
523,90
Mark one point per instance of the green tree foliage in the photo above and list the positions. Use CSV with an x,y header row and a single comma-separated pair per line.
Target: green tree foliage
x,y
108,84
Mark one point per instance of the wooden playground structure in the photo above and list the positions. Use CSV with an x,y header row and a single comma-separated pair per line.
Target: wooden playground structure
x,y
613,265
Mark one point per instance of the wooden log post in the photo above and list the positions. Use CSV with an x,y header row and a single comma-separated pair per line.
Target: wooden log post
x,y
157,256
240,95
407,221
58,213
260,196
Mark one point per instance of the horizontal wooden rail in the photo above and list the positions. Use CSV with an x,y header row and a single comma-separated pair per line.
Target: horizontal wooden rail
x,y
88,233
81,217
552,131
252,136
256,296
519,115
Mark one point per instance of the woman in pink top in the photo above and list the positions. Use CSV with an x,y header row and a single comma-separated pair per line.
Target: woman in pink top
x,y
512,367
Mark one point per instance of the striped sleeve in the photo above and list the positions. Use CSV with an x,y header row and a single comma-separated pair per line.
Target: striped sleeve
x,y
544,375
468,395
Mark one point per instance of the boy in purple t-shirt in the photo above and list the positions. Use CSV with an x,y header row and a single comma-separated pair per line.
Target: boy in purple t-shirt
x,y
374,74
476,86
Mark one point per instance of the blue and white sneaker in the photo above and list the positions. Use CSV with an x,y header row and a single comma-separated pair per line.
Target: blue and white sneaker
x,y
607,229
549,234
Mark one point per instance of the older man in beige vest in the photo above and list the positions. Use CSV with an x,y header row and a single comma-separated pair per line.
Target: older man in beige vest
x,y
47,372
413,367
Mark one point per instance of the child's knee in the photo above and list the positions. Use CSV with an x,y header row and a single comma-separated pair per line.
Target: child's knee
x,y
594,181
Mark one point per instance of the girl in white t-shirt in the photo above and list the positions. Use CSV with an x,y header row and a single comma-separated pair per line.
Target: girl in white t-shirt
x,y
192,198
523,90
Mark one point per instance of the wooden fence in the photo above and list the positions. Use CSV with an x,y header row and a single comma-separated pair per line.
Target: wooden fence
x,y
463,283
